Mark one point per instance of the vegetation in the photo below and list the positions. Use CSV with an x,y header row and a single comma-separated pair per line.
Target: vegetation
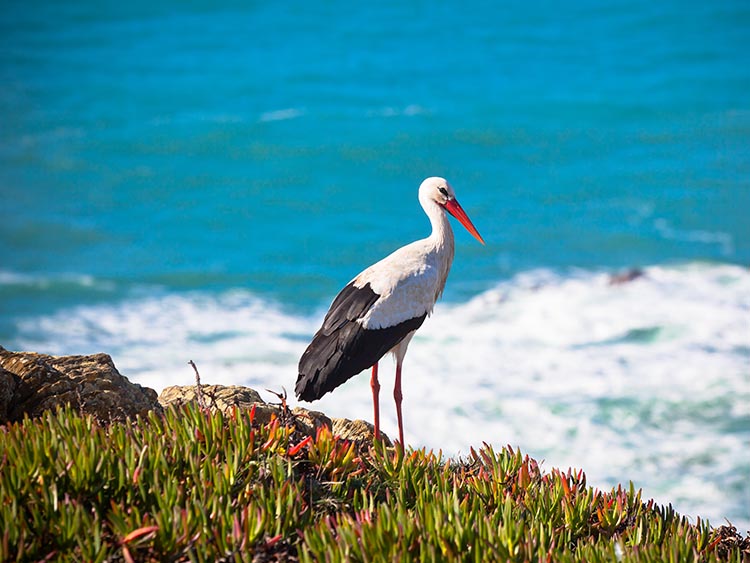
x,y
194,486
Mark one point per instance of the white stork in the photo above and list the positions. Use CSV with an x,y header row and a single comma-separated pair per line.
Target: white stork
x,y
380,310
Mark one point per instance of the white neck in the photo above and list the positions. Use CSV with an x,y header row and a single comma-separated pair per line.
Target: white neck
x,y
442,233
441,239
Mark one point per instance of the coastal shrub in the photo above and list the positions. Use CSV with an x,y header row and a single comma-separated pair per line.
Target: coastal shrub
x,y
196,486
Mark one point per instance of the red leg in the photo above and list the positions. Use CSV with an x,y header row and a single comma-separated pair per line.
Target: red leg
x,y
397,396
375,385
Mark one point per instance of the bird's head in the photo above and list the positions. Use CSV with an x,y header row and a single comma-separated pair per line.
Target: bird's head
x,y
441,192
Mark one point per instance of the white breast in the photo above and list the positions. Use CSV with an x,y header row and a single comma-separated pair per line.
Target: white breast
x,y
409,281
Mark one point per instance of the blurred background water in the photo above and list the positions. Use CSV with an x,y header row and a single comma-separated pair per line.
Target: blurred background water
x,y
181,180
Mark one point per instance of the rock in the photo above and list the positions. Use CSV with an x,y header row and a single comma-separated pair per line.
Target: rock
x,y
626,276
32,383
8,386
226,398
265,413
356,430
310,420
90,384
215,397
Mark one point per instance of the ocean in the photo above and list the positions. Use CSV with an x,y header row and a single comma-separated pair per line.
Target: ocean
x,y
191,181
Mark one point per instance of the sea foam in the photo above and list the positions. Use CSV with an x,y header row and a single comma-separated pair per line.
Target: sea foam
x,y
647,380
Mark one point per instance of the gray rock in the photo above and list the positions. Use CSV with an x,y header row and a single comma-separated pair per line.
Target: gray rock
x,y
220,397
626,277
90,384
32,383
310,420
8,386
225,398
356,430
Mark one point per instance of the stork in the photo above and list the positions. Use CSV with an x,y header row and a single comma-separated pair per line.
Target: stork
x,y
380,310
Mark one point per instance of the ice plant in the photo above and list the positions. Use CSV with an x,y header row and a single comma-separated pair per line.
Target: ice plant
x,y
197,486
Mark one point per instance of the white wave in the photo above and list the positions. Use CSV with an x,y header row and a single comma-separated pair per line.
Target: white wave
x,y
233,337
281,114
647,380
45,281
192,117
390,111
724,241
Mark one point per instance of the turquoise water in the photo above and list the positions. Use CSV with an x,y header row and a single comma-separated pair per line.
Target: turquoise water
x,y
280,148
184,181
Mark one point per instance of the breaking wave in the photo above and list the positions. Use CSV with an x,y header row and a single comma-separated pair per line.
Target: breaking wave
x,y
647,380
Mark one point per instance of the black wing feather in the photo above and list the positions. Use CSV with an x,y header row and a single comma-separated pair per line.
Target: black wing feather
x,y
342,348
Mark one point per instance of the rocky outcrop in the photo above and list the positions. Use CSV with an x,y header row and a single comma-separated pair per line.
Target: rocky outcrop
x,y
311,420
226,398
626,277
356,430
33,383
215,397
8,386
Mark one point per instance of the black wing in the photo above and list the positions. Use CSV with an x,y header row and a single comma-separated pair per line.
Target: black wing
x,y
342,347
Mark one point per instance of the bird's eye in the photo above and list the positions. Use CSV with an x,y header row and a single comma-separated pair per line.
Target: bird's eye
x,y
443,191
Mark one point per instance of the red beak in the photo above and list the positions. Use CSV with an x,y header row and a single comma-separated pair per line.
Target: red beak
x,y
452,206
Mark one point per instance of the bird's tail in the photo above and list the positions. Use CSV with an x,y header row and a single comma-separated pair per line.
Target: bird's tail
x,y
331,359
335,356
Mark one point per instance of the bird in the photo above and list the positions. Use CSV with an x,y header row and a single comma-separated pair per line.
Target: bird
x,y
381,308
